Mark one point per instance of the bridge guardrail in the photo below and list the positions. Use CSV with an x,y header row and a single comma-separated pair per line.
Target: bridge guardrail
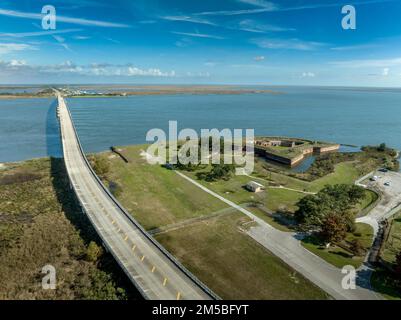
x,y
140,228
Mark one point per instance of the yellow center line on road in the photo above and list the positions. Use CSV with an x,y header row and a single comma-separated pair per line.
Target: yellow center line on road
x,y
126,238
153,269
134,247
143,258
178,295
164,282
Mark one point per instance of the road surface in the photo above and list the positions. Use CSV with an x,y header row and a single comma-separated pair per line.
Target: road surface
x,y
153,271
390,197
287,247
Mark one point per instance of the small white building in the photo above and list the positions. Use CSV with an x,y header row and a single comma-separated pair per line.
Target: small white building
x,y
254,187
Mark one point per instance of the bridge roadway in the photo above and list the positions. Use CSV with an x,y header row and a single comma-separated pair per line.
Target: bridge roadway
x,y
155,273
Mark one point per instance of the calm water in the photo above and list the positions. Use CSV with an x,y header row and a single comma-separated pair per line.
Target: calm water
x,y
28,127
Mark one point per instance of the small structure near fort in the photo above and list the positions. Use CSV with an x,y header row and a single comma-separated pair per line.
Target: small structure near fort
x,y
291,151
254,187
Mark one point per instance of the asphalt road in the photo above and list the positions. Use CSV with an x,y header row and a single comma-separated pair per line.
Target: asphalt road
x,y
390,197
148,266
287,247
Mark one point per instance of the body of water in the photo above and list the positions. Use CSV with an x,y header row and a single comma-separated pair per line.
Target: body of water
x,y
28,127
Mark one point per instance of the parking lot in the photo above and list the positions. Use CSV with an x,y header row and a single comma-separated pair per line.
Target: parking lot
x,y
390,194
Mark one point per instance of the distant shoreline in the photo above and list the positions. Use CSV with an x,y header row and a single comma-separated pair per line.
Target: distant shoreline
x,y
142,91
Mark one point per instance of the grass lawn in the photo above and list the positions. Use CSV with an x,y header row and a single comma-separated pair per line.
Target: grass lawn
x,y
226,260
276,199
338,256
157,196
233,265
382,279
344,172
365,205
273,221
393,244
281,199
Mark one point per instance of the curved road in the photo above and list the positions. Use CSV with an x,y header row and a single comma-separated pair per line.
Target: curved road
x,y
154,272
390,197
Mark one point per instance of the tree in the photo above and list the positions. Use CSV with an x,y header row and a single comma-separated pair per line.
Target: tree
x,y
100,165
339,199
397,267
93,252
334,228
357,248
382,147
218,172
355,194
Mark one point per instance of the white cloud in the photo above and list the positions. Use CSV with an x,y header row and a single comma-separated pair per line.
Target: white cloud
x,y
256,27
308,75
260,3
198,35
385,72
356,47
189,19
259,58
37,33
78,21
232,12
81,37
94,69
293,44
197,74
17,63
266,6
12,47
210,64
367,63
147,21
133,71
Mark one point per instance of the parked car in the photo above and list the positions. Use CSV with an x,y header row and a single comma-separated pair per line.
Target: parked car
x,y
383,170
387,184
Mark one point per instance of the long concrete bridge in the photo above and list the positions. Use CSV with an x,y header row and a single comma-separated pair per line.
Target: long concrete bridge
x,y
155,273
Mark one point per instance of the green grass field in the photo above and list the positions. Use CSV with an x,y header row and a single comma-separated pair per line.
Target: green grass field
x,y
157,196
393,244
214,249
233,265
382,279
338,256
276,199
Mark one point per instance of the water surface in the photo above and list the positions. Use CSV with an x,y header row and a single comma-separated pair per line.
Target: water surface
x,y
355,116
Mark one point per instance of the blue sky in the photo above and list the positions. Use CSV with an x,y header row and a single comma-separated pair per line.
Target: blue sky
x,y
206,42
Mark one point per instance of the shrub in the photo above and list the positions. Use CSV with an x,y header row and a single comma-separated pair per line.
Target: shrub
x,y
100,165
93,252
